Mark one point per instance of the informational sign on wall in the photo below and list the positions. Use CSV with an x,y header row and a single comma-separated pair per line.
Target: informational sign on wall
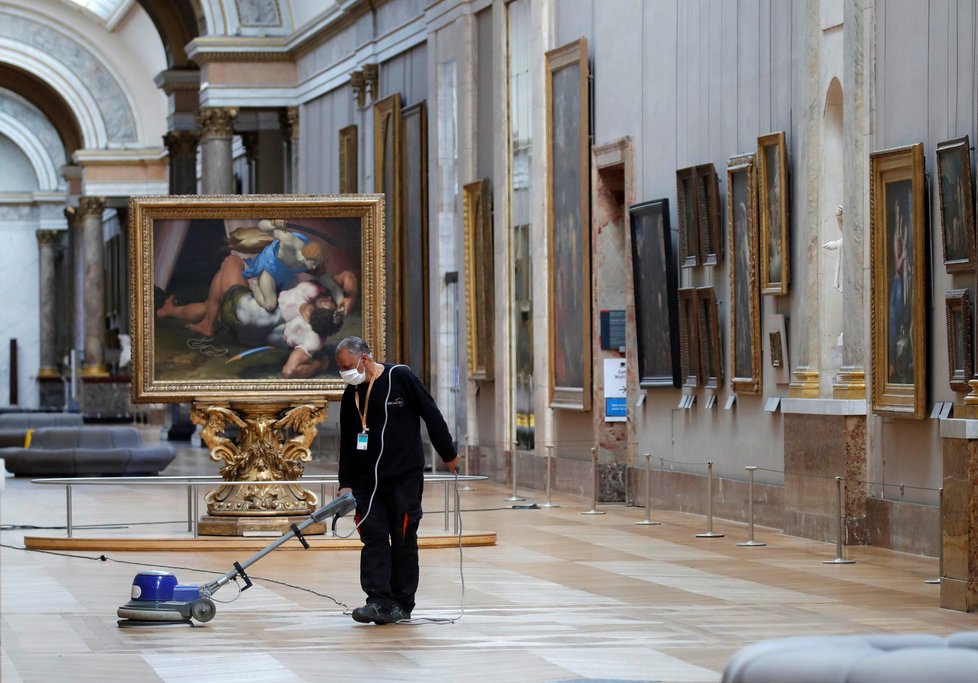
x,y
615,390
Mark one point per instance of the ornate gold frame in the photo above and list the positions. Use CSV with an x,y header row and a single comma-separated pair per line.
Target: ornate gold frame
x,y
413,300
708,213
689,338
764,142
479,278
689,225
957,307
750,384
387,119
958,147
572,55
711,352
349,160
901,399
145,211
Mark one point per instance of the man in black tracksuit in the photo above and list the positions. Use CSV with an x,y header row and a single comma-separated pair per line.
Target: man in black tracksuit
x,y
382,463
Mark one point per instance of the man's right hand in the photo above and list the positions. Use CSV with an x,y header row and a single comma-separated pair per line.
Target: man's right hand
x,y
342,491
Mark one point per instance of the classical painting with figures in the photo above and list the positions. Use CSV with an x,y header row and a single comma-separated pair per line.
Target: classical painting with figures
x,y
246,295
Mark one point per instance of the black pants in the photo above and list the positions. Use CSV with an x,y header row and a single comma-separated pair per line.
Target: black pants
x,y
389,559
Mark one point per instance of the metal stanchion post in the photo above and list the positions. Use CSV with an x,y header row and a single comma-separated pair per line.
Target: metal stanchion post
x,y
750,509
648,493
447,506
709,505
68,509
940,526
550,462
841,530
190,507
594,485
512,466
465,466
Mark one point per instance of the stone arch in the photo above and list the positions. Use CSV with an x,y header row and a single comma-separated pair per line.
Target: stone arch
x,y
45,169
831,214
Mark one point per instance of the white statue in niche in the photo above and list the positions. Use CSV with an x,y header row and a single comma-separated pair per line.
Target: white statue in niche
x,y
836,245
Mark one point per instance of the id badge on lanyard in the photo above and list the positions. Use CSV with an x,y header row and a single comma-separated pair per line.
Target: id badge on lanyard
x,y
362,441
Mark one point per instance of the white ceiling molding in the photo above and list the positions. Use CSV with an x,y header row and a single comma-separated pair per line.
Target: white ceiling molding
x,y
45,168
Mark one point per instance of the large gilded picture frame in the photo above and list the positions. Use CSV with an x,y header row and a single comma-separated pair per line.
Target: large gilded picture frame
x,y
898,270
389,181
568,226
654,283
772,181
413,302
956,203
246,296
479,278
745,323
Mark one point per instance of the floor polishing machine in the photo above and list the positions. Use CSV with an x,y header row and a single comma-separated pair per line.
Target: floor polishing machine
x,y
158,599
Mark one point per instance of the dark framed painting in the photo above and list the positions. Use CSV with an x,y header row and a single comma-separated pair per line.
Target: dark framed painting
x,y
745,324
708,332
568,225
708,213
957,206
772,179
689,233
349,160
654,285
480,282
413,302
388,181
960,360
689,338
246,296
898,274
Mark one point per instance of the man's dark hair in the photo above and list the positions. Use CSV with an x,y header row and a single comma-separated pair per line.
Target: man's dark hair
x,y
355,345
322,323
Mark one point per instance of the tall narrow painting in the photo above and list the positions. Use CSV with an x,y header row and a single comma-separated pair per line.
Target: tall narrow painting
x,y
413,299
479,280
898,271
772,180
708,213
689,233
654,282
957,207
388,180
745,324
568,226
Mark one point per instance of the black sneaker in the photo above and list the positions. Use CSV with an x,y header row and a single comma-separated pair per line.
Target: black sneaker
x,y
398,613
372,612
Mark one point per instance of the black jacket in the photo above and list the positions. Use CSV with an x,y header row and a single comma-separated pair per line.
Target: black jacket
x,y
407,403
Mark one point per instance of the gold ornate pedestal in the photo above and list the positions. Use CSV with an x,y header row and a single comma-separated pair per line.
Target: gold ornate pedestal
x,y
850,383
804,384
273,445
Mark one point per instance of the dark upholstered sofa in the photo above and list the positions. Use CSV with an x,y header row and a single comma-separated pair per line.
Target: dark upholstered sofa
x,y
875,658
14,426
88,450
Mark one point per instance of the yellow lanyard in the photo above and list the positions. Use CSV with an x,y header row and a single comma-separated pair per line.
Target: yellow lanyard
x,y
366,407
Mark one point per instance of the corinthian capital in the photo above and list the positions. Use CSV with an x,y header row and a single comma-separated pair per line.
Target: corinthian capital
x,y
217,122
91,206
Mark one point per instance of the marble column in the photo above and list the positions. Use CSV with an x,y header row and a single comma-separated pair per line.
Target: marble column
x,y
90,216
217,131
289,119
47,243
850,383
182,148
959,515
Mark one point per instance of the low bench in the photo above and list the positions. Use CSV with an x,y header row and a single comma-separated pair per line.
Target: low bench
x,y
15,426
88,450
875,658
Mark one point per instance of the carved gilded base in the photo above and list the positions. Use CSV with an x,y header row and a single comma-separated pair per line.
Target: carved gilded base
x,y
48,372
804,384
98,370
969,409
850,383
243,526
272,446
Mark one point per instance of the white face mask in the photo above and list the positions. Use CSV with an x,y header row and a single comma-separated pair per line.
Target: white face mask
x,y
354,376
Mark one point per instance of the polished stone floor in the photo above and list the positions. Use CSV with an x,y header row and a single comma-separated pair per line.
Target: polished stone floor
x,y
562,596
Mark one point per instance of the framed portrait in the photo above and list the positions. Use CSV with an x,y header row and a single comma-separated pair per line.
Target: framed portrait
x,y
708,332
777,348
960,361
898,273
246,296
349,160
479,279
689,233
689,339
388,181
772,177
708,213
654,283
957,207
568,225
412,303
745,324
